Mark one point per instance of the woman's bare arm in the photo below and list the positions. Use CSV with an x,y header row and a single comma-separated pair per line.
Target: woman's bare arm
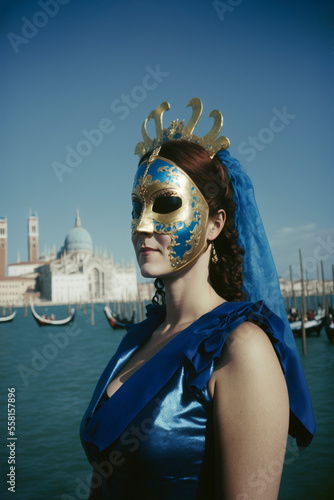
x,y
251,417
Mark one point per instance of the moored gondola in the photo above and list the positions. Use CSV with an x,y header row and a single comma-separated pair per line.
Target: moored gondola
x,y
49,321
115,321
329,327
6,319
311,326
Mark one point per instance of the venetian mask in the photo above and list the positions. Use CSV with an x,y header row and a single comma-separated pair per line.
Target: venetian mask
x,y
167,201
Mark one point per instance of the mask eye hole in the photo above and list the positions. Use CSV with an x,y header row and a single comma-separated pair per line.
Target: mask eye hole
x,y
166,204
136,209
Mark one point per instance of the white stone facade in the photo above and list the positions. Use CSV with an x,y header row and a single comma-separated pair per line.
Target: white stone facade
x,y
24,268
82,278
75,275
16,290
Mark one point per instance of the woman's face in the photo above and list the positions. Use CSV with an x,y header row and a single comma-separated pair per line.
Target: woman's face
x,y
152,252
169,218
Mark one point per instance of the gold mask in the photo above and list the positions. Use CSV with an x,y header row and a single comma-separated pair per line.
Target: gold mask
x,y
167,201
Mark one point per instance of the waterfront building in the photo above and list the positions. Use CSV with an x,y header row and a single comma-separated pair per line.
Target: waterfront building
x,y
18,290
81,275
75,273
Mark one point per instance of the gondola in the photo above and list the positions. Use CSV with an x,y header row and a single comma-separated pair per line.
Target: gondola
x,y
46,321
116,322
329,327
311,326
6,319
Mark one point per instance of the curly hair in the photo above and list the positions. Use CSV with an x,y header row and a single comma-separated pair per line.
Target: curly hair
x,y
211,177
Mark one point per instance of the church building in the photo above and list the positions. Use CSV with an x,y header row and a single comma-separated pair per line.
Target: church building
x,y
80,275
73,275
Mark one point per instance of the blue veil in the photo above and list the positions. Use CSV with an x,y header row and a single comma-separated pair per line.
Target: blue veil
x,y
259,271
261,283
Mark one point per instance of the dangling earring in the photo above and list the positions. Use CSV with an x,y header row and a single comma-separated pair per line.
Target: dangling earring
x,y
214,256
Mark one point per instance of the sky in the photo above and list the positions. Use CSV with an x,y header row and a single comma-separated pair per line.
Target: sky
x,y
79,78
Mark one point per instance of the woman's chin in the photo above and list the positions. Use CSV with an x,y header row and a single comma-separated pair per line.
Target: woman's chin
x,y
147,271
151,271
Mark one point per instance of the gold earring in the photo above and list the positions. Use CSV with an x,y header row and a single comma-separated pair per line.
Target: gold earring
x,y
214,256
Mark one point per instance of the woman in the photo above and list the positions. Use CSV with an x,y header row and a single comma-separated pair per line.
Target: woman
x,y
195,403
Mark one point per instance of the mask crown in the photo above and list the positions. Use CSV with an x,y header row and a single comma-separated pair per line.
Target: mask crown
x,y
176,130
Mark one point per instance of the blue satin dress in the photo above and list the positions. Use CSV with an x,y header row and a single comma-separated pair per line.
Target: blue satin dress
x,y
153,439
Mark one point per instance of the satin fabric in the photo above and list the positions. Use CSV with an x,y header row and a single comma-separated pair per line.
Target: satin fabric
x,y
153,438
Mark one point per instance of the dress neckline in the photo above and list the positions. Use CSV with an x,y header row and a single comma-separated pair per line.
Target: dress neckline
x,y
156,372
161,317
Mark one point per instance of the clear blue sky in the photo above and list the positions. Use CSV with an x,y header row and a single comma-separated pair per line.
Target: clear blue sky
x,y
253,60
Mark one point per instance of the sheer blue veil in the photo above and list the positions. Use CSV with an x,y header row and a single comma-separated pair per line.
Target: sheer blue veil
x,y
261,283
259,271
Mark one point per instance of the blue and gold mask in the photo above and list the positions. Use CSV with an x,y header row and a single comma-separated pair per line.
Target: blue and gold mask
x,y
166,201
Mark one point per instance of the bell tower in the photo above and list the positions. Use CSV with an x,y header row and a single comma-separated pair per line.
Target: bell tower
x,y
33,252
3,246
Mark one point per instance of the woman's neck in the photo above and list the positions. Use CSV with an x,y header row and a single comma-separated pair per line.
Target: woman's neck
x,y
189,294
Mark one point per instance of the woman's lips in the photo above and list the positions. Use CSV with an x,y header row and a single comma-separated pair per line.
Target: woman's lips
x,y
147,250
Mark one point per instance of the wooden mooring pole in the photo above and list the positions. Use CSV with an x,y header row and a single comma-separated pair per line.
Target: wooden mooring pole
x,y
307,292
293,290
303,306
92,320
323,285
315,306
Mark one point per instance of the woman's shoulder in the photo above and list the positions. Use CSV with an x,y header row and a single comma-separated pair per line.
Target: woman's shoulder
x,y
247,343
249,358
228,316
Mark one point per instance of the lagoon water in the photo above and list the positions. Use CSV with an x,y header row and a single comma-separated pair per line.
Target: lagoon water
x,y
54,371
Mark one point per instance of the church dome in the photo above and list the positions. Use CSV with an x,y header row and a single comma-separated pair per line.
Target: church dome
x,y
78,238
